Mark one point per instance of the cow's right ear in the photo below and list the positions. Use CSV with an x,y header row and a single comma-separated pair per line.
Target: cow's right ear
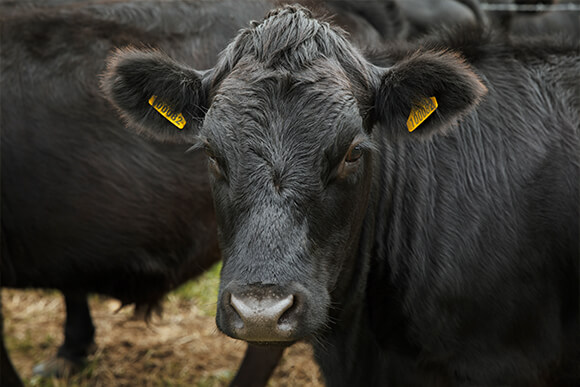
x,y
426,93
157,96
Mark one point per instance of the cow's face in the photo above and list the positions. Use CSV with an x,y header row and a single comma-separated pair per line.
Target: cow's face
x,y
291,168
286,118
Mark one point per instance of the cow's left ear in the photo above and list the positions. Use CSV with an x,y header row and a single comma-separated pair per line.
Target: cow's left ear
x,y
156,96
426,93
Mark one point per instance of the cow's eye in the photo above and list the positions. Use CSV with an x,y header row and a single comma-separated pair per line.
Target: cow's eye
x,y
349,164
353,154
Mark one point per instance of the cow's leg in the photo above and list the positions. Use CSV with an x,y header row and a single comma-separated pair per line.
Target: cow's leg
x,y
79,331
8,375
257,367
79,335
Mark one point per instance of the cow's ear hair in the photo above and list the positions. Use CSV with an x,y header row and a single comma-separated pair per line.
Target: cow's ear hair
x,y
407,88
135,80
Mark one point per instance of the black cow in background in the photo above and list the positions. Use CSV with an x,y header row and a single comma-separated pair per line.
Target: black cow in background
x,y
407,19
534,17
415,217
420,17
83,209
417,18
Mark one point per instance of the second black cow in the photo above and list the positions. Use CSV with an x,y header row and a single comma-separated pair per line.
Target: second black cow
x,y
83,207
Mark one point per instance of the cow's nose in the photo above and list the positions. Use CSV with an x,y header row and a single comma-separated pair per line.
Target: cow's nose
x,y
263,315
254,311
259,316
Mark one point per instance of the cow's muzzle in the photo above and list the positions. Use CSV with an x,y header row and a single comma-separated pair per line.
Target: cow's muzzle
x,y
261,313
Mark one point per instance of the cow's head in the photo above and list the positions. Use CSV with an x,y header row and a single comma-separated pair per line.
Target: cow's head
x,y
289,119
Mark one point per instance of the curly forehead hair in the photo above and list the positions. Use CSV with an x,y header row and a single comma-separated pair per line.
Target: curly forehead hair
x,y
289,40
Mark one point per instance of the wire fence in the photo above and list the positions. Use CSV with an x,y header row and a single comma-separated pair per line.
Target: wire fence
x,y
508,7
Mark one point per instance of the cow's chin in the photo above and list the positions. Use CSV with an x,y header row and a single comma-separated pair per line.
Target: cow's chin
x,y
306,331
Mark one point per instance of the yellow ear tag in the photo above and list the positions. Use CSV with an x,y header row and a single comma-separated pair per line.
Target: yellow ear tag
x,y
420,112
175,118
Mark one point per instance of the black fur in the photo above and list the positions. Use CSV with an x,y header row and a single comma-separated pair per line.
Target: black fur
x,y
436,259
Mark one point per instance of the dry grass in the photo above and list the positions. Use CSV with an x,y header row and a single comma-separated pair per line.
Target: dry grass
x,y
183,348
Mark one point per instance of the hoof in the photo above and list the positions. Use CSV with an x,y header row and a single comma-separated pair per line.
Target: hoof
x,y
58,367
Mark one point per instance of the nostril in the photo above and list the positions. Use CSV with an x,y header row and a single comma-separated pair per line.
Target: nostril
x,y
290,317
236,319
239,306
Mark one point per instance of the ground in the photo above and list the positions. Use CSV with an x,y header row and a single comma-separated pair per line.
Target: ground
x,y
182,348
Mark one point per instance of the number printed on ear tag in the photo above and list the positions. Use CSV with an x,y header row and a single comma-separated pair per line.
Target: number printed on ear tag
x,y
420,112
175,118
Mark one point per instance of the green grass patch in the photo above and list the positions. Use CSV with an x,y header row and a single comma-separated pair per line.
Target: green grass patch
x,y
220,378
203,291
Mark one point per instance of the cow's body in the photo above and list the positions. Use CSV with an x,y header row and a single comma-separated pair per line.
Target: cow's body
x,y
446,256
82,207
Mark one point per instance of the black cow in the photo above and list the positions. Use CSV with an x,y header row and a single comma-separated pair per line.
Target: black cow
x,y
421,17
411,246
519,17
85,192
404,19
